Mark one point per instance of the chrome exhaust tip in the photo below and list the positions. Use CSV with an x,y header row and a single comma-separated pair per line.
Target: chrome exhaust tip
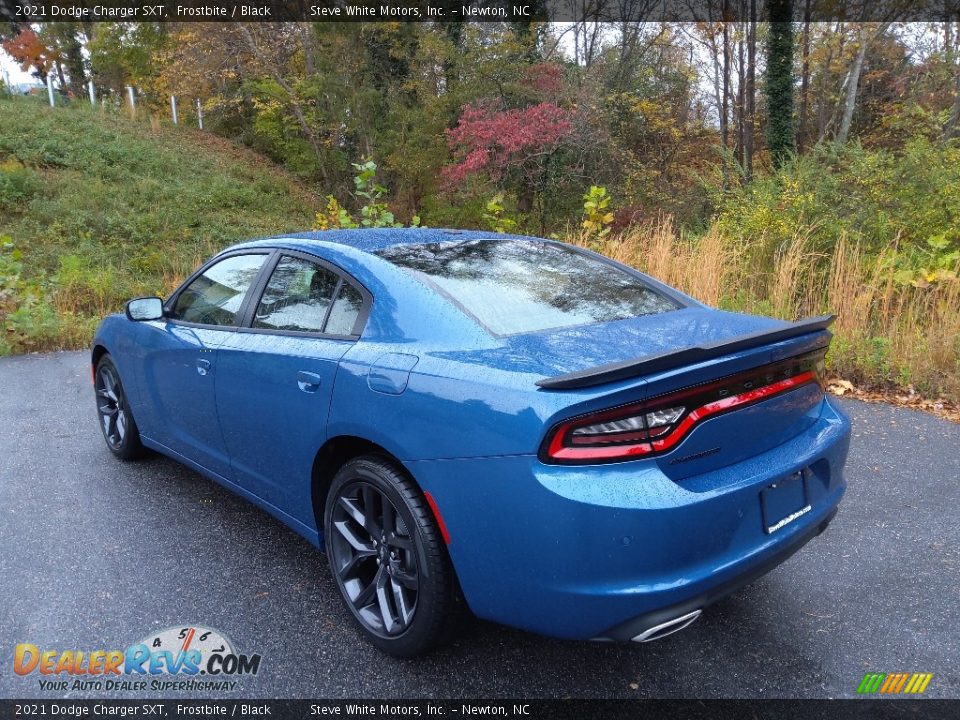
x,y
667,628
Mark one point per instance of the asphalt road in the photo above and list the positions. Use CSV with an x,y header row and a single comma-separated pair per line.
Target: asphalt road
x,y
96,554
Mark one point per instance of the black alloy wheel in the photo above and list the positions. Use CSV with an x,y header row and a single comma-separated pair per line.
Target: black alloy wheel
x,y
375,558
388,558
116,420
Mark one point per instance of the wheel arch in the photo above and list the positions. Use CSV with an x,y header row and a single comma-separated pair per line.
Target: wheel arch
x,y
99,350
336,452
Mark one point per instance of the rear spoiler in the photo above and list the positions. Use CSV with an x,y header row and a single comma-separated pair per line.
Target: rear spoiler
x,y
613,372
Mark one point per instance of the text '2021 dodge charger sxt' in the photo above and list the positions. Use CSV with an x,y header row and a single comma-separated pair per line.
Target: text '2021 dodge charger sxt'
x,y
476,422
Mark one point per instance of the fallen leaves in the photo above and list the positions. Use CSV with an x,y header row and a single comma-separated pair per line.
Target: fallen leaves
x,y
946,409
840,387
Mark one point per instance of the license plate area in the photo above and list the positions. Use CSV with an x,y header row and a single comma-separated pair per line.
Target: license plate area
x,y
784,501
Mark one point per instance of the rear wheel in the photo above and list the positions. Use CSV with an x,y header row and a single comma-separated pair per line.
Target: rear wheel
x,y
116,420
388,559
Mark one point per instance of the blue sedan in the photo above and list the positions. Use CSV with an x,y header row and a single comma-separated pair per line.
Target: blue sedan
x,y
467,421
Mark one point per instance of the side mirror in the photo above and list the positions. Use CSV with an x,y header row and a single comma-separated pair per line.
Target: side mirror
x,y
147,308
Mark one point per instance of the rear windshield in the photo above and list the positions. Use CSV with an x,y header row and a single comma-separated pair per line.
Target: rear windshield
x,y
520,286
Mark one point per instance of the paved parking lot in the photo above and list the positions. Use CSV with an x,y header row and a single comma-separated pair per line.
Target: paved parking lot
x,y
98,554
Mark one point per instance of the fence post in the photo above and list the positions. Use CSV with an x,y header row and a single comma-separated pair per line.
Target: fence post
x,y
173,108
93,93
133,102
199,114
50,89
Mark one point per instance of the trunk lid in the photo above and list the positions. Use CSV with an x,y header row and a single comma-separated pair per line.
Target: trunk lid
x,y
572,349
714,440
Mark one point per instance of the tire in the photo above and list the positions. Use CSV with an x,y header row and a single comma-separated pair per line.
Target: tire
x,y
402,593
117,425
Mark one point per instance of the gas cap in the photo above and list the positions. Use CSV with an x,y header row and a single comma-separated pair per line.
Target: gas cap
x,y
390,373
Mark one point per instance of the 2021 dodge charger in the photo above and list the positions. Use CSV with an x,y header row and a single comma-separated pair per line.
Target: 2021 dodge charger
x,y
504,424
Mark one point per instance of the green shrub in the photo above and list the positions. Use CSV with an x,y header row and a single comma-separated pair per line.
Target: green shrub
x,y
28,320
17,185
874,198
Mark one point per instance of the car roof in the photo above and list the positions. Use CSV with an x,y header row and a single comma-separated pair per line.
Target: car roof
x,y
372,240
432,317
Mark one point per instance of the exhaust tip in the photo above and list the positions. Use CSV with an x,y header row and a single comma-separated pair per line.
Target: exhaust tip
x,y
667,628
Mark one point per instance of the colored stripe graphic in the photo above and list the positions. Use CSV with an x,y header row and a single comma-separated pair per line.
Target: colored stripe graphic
x,y
888,683
894,683
871,683
924,680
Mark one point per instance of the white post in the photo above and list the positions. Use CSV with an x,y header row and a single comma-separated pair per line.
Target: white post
x,y
199,114
50,89
133,102
173,108
93,93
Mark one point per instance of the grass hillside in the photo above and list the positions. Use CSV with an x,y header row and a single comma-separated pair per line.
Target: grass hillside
x,y
96,208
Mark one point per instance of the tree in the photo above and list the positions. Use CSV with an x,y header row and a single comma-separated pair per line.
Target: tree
x,y
507,144
124,54
751,90
802,129
852,82
34,56
779,90
69,39
952,51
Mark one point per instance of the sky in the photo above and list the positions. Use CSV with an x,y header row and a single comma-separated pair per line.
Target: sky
x,y
10,68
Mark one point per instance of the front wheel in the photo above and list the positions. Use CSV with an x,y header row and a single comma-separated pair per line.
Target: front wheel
x,y
116,420
389,560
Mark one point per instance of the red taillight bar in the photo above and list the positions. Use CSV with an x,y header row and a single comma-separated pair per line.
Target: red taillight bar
x,y
729,403
707,401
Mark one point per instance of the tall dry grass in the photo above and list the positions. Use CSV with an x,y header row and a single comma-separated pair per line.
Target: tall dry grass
x,y
705,268
887,335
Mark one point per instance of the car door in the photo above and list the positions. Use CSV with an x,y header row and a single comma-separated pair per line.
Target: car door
x,y
275,377
180,359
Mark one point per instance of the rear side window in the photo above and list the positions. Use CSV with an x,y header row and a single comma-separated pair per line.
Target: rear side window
x,y
215,296
297,297
520,286
345,312
304,296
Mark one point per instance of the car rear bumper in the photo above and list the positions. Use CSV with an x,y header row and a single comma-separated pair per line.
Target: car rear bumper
x,y
664,621
609,551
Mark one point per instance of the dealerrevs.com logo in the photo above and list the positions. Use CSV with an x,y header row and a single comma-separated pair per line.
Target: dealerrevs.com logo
x,y
188,658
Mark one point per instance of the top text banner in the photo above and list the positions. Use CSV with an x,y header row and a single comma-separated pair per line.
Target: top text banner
x,y
28,11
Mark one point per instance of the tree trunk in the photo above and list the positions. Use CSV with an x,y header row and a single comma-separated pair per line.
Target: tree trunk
x,y
526,196
73,52
751,89
725,109
717,71
851,84
60,76
952,127
741,92
779,85
454,33
825,116
802,130
309,54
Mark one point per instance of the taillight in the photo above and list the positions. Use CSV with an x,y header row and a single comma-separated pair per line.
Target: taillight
x,y
655,426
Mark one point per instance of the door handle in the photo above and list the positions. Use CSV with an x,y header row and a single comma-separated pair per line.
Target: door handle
x,y
203,367
307,381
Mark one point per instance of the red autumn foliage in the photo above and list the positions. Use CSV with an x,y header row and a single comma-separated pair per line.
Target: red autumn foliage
x,y
545,78
32,54
491,141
